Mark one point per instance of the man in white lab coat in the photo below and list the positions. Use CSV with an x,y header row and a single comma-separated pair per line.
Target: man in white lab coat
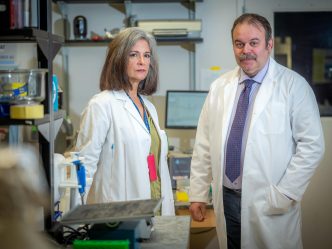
x,y
281,146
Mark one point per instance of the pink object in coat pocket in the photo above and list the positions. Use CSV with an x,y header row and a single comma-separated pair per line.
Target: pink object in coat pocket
x,y
152,168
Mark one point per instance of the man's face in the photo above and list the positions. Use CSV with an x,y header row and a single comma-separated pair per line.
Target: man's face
x,y
250,49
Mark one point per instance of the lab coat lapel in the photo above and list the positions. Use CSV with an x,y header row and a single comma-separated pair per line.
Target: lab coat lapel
x,y
153,117
220,122
129,107
264,94
228,103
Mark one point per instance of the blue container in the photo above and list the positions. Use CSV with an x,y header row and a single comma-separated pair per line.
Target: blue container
x,y
4,110
55,90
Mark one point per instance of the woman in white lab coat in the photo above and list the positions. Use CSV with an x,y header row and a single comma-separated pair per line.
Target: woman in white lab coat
x,y
120,138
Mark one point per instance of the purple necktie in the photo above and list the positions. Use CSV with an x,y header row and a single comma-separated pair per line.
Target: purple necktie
x,y
234,142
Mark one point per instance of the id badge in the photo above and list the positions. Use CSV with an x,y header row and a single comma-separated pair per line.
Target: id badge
x,y
152,168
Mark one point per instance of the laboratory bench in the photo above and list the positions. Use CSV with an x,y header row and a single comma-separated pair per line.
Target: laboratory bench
x,y
208,222
202,234
166,232
182,209
170,232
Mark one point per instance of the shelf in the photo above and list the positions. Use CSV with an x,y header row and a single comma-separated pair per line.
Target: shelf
x,y
179,39
27,34
132,1
33,35
160,40
46,119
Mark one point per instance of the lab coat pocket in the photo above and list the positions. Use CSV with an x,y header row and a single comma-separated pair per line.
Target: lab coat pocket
x,y
277,202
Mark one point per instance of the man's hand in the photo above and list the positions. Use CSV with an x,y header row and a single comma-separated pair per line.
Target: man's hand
x,y
198,211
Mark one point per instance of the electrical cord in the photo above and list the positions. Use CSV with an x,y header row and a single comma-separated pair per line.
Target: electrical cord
x,y
81,233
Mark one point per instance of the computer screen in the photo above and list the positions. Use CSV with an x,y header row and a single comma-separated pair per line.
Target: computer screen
x,y
179,168
183,108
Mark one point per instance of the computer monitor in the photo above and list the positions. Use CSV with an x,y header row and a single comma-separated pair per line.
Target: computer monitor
x,y
183,108
179,168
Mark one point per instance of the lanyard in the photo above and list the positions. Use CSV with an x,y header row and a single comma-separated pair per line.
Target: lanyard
x,y
145,117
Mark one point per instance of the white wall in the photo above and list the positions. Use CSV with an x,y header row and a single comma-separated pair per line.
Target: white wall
x,y
317,202
216,49
84,65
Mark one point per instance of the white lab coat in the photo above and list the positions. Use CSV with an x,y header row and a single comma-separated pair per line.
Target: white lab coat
x,y
284,147
115,143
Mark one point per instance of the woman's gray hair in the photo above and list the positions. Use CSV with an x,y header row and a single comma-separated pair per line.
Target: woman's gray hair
x,y
114,73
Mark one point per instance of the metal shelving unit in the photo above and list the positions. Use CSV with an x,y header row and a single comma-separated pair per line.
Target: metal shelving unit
x,y
187,43
123,1
48,47
190,4
160,40
45,120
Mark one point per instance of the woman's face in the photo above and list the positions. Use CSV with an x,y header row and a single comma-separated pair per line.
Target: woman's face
x,y
138,62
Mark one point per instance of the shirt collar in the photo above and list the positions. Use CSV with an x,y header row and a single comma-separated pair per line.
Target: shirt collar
x,y
258,77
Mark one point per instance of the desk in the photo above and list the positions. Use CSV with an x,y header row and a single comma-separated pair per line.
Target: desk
x,y
171,232
209,221
202,234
